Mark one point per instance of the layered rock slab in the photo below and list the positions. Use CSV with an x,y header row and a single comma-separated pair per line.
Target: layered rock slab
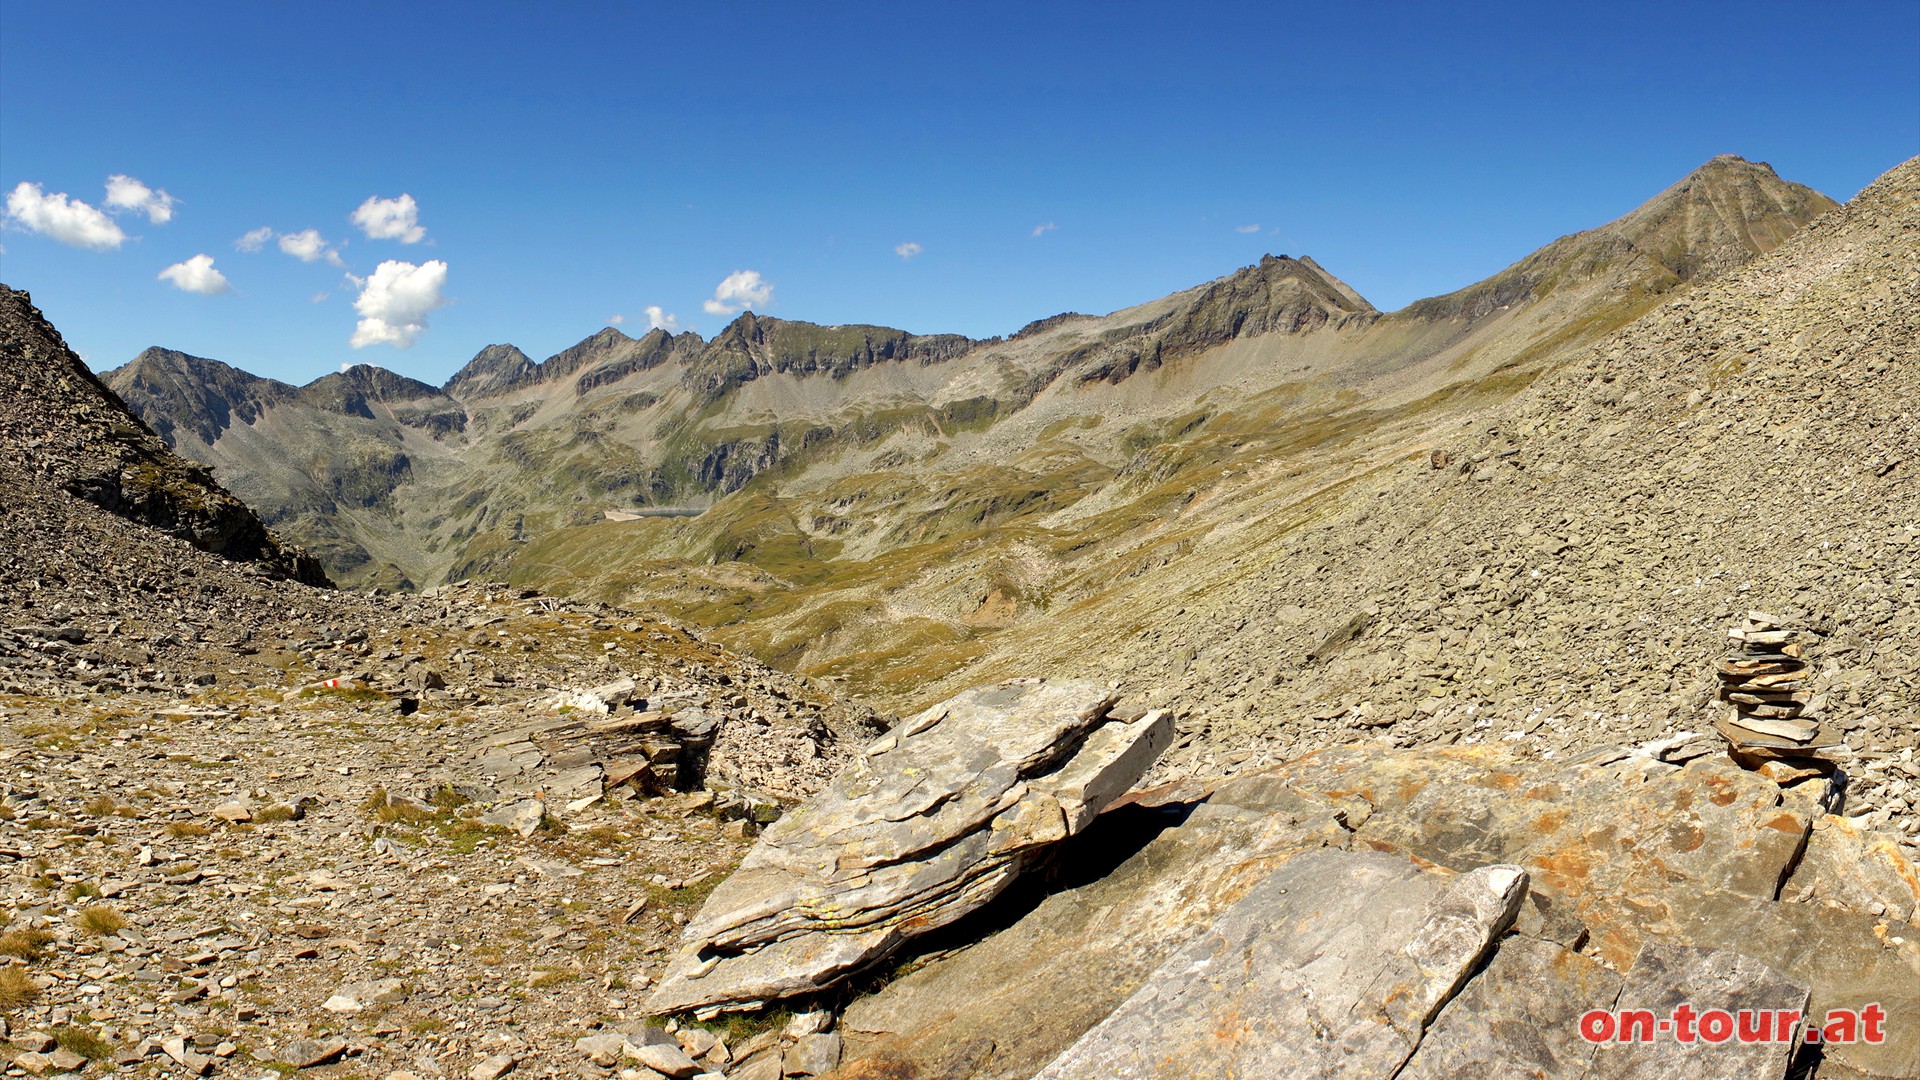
x,y
1087,947
1331,967
931,821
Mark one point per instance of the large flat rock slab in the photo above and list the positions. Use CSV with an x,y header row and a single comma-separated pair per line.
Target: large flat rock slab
x,y
931,821
1518,1018
1665,977
1136,887
1604,844
1331,967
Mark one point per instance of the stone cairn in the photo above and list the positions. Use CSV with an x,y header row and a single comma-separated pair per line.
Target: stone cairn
x,y
1765,681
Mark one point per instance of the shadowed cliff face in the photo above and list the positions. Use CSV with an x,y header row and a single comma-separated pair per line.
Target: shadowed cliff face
x,y
76,433
891,506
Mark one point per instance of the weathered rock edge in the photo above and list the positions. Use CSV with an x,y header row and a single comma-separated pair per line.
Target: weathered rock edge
x,y
930,822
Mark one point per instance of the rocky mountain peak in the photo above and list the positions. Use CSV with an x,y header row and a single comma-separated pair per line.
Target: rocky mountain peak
x,y
492,370
1712,220
1718,216
755,345
178,393
354,390
1278,294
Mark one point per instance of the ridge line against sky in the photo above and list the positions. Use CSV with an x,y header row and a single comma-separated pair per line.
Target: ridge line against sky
x,y
290,191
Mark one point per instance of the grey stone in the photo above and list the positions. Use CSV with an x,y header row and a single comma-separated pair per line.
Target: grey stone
x,y
665,1058
812,1055
306,1053
933,820
809,1023
358,996
1373,947
766,1066
493,1068
606,1049
1519,1017
695,725
523,817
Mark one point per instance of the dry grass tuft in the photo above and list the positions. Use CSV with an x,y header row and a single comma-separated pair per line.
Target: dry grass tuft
x,y
100,921
28,945
17,988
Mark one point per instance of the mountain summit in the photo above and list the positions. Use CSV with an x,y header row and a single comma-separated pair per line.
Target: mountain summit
x,y
1713,219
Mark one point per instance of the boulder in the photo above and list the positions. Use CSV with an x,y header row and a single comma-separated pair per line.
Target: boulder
x,y
933,820
1373,946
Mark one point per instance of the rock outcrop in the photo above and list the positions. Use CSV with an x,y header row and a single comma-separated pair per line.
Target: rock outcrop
x,y
1646,883
930,822
79,437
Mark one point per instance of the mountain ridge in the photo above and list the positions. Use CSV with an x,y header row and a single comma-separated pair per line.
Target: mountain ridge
x,y
826,448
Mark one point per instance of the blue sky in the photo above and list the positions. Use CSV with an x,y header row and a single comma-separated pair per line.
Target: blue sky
x,y
569,163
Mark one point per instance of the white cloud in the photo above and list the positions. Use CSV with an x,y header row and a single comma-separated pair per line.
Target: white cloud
x,y
908,250
1042,230
390,219
308,246
196,275
659,318
126,193
69,221
741,289
254,240
395,303
616,320
1246,228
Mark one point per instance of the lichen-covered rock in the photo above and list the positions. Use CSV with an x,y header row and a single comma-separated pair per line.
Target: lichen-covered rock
x,y
1629,859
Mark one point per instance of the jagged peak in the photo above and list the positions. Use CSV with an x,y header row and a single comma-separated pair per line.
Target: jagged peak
x,y
374,383
492,369
1279,272
755,345
1041,325
156,359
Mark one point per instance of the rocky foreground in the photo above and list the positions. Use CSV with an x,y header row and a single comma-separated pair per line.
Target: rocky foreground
x,y
339,870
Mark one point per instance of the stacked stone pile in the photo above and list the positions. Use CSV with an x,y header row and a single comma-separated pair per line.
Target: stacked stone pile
x,y
1765,680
